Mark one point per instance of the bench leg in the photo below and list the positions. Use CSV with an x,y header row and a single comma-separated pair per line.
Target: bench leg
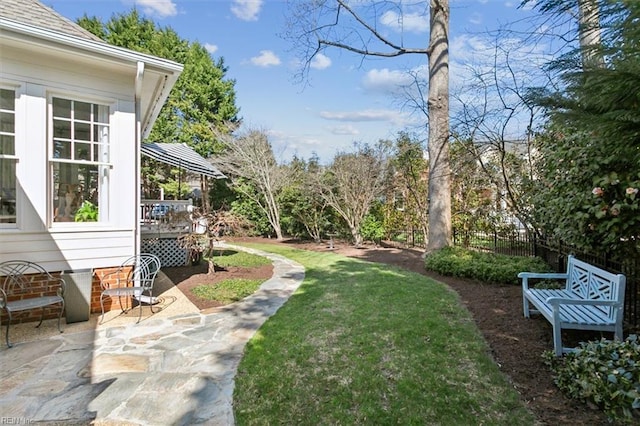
x,y
7,330
557,334
618,333
41,317
102,307
525,307
525,302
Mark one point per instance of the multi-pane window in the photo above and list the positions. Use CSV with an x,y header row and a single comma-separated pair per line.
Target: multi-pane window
x,y
8,158
79,160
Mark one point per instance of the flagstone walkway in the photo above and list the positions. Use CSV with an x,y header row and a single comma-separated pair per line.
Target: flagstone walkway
x,y
176,370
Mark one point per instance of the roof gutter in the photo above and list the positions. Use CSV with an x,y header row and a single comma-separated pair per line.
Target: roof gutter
x,y
136,153
94,47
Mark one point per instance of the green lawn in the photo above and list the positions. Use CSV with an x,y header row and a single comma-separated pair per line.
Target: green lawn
x,y
365,343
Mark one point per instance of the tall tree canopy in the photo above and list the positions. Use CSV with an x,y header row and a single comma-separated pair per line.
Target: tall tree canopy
x,y
202,100
590,154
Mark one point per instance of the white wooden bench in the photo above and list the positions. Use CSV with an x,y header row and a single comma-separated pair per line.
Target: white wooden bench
x,y
592,299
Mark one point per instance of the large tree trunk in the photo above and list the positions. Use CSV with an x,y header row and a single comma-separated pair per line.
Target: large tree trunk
x,y
590,33
438,145
357,237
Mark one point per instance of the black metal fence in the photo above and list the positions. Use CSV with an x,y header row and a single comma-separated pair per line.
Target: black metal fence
x,y
555,254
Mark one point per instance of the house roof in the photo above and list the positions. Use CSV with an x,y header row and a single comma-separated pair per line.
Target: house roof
x,y
180,155
30,25
34,13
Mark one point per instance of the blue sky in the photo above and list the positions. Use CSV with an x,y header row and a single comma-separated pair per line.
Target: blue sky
x,y
344,99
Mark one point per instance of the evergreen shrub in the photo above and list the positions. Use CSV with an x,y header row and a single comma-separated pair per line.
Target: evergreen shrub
x,y
482,266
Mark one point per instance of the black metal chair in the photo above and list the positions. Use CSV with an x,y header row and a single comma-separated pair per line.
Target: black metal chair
x,y
134,279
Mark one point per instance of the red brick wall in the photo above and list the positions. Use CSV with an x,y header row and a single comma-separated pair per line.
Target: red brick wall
x,y
38,287
96,289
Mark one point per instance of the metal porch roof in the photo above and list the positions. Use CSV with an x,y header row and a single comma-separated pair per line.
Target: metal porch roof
x,y
180,155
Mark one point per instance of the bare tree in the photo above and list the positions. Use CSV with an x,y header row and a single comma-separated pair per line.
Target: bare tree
x,y
248,159
208,229
352,182
496,115
316,26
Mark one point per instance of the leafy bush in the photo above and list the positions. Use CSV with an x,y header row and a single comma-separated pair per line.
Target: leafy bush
x,y
485,267
372,229
604,372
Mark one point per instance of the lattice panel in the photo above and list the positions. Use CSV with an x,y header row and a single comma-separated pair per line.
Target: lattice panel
x,y
167,249
601,288
593,286
579,283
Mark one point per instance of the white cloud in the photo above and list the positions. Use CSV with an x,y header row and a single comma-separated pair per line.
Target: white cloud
x,y
320,62
246,10
211,48
475,18
391,116
345,129
159,8
286,145
266,59
386,80
413,22
467,48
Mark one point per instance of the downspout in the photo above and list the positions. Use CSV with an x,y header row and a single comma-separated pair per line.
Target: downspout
x,y
138,137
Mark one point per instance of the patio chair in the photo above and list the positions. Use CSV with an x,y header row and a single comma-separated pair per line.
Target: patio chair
x,y
134,279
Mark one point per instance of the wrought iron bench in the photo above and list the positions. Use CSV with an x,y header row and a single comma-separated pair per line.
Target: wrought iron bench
x,y
592,299
26,285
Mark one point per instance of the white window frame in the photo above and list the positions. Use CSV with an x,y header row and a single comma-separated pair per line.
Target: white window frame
x,y
104,164
14,156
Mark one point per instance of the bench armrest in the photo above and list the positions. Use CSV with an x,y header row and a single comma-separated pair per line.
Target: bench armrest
x,y
544,275
550,275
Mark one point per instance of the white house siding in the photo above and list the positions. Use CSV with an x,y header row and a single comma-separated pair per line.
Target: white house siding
x,y
65,246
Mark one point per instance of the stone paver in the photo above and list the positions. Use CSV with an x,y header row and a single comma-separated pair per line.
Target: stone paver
x,y
164,371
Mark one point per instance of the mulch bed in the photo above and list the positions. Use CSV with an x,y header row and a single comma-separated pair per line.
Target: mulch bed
x,y
187,278
516,343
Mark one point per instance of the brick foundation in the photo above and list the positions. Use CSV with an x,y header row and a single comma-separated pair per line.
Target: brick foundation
x,y
39,288
96,289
